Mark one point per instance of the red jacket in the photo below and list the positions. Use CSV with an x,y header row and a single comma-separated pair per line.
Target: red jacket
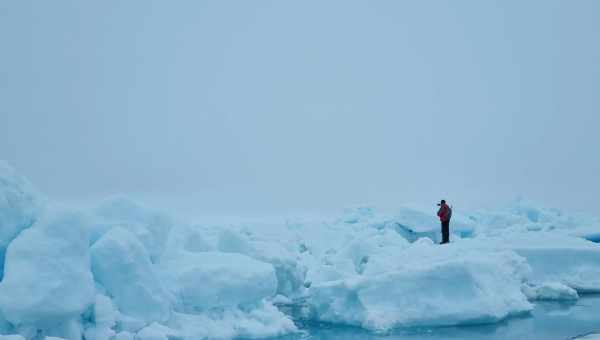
x,y
444,213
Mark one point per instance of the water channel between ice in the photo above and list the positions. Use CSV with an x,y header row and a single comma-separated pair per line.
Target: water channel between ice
x,y
548,321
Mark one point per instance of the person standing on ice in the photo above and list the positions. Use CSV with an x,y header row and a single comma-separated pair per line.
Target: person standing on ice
x,y
445,213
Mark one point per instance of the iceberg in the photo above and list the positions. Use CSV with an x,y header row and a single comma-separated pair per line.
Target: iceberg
x,y
442,286
20,206
555,257
150,227
123,271
47,279
207,280
103,319
121,264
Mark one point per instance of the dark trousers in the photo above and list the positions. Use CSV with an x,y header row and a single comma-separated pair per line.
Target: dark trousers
x,y
445,231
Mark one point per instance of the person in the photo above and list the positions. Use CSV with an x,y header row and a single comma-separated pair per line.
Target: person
x,y
445,213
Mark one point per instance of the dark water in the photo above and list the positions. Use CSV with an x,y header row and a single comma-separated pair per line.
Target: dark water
x,y
548,321
593,237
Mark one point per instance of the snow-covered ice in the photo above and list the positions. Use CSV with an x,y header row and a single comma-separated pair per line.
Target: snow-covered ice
x,y
123,271
207,280
104,318
121,264
428,285
150,227
20,206
47,277
554,257
550,291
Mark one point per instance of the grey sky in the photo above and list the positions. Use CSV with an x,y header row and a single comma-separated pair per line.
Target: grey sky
x,y
305,104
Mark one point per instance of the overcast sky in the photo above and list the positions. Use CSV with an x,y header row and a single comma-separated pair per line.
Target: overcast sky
x,y
272,105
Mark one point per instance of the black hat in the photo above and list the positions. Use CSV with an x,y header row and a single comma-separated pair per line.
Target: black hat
x,y
442,202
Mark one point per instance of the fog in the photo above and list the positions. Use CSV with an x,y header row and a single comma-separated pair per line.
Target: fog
x,y
304,105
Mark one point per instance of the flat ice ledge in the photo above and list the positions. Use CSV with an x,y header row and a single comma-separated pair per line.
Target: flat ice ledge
x,y
572,261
